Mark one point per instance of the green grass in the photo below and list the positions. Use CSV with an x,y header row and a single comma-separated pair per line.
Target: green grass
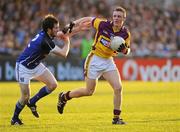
x,y
147,107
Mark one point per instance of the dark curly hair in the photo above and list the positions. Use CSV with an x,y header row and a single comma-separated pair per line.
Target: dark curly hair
x,y
48,22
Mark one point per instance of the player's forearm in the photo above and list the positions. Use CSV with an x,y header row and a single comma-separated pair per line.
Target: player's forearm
x,y
126,51
80,25
62,51
65,49
75,30
80,21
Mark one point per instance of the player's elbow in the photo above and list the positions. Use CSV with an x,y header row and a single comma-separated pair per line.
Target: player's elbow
x,y
89,92
64,54
61,54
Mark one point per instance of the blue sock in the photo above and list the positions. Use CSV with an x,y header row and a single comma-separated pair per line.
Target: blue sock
x,y
42,92
17,110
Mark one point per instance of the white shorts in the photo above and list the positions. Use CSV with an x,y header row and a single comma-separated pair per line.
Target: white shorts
x,y
95,66
24,75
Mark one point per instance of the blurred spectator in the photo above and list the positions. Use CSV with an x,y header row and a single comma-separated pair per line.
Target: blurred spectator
x,y
86,44
154,25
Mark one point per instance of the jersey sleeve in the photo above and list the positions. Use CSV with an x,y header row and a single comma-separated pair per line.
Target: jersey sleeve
x,y
96,22
128,39
47,46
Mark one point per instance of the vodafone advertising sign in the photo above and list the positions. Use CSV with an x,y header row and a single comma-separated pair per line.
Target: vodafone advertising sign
x,y
150,69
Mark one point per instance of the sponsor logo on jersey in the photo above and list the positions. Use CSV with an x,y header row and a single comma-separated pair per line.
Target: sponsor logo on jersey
x,y
105,42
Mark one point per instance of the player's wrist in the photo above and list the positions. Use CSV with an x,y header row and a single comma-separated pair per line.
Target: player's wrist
x,y
126,51
68,28
66,40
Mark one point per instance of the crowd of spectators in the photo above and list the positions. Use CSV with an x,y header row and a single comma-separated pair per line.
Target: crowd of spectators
x,y
155,28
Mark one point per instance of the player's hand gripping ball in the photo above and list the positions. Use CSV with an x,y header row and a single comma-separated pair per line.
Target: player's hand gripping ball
x,y
117,44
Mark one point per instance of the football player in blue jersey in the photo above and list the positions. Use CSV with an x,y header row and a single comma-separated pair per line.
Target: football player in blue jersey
x,y
29,66
100,60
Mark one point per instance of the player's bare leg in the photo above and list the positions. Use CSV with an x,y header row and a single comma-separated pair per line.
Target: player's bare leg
x,y
87,91
51,84
25,94
114,80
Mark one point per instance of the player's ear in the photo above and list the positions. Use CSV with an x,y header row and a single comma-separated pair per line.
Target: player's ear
x,y
49,30
124,18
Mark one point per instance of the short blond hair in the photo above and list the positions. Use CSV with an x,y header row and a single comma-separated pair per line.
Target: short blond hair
x,y
121,9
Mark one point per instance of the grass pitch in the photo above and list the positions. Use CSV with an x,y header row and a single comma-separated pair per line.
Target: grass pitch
x,y
147,107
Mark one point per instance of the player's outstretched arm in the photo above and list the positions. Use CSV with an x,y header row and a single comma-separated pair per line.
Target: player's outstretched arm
x,y
78,25
65,50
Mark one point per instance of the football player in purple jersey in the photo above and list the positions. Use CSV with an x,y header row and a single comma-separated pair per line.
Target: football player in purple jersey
x,y
100,60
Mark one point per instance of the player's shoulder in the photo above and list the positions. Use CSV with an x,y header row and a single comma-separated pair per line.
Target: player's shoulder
x,y
38,37
98,22
44,36
100,19
125,29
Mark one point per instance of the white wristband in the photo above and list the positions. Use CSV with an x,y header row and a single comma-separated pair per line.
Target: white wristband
x,y
128,51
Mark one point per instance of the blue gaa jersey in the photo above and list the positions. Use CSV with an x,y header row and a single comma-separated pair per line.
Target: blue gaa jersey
x,y
37,49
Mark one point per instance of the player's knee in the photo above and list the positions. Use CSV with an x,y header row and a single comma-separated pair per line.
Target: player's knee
x,y
117,90
25,98
89,92
52,86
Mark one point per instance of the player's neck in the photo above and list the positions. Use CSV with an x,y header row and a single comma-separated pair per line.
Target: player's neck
x,y
49,35
116,28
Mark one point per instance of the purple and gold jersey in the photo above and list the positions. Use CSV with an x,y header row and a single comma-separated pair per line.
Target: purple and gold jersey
x,y
104,32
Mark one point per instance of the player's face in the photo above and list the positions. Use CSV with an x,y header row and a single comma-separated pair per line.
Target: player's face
x,y
118,18
55,30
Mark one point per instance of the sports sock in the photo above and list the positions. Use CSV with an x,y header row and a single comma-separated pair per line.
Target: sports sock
x,y
18,109
66,97
116,113
42,92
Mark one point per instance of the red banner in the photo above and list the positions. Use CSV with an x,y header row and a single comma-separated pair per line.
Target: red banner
x,y
149,69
